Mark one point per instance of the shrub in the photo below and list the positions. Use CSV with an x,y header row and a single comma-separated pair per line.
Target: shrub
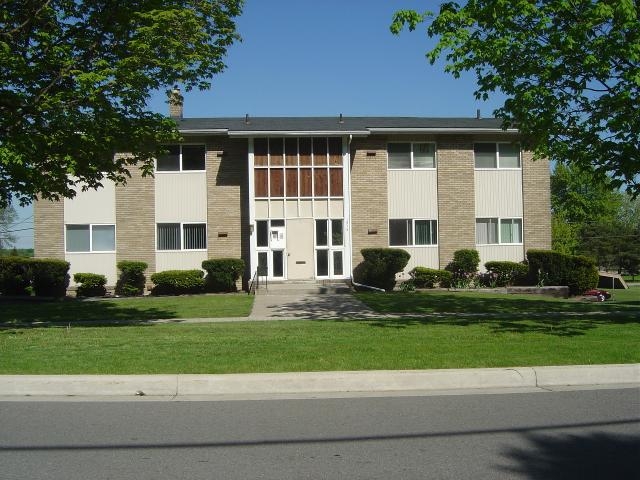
x,y
502,274
222,274
91,284
380,267
579,273
49,277
464,267
177,282
132,279
15,275
423,277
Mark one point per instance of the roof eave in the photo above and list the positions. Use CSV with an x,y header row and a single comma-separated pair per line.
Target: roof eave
x,y
296,133
442,130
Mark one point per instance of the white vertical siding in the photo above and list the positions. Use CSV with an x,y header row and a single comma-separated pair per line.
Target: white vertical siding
x,y
180,260
413,194
508,253
99,263
181,197
92,206
498,193
420,257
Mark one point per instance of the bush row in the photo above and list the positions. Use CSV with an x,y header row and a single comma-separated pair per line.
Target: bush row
x,y
579,273
43,277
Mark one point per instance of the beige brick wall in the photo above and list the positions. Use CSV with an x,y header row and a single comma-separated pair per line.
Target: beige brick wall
x,y
227,198
536,195
456,198
135,220
48,229
369,202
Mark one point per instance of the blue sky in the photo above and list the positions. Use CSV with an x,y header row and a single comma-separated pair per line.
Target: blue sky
x,y
325,57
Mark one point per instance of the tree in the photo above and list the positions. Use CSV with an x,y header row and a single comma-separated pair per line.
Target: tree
x,y
75,78
7,219
570,70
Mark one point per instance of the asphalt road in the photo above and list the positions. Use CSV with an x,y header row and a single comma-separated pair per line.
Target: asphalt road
x,y
590,434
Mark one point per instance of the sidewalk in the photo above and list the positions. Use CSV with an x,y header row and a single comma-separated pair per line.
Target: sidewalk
x,y
319,383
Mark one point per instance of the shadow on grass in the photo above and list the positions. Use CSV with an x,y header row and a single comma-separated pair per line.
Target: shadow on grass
x,y
476,302
111,312
558,325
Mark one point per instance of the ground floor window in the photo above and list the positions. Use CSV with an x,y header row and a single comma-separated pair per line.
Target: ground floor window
x,y
90,238
181,236
408,232
491,231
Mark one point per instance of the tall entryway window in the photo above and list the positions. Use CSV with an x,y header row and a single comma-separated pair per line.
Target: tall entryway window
x,y
302,182
329,248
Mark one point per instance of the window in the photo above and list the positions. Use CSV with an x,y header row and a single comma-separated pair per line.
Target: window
x,y
411,155
329,245
182,158
496,155
298,167
185,236
90,238
406,232
491,231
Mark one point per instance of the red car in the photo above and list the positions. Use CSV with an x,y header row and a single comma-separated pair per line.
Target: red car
x,y
600,295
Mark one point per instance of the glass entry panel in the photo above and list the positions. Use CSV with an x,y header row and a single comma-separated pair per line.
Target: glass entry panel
x,y
329,248
271,244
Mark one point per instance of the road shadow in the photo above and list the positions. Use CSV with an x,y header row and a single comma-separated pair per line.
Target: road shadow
x,y
576,457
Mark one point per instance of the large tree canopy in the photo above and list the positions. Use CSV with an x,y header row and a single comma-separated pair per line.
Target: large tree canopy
x,y
570,70
75,79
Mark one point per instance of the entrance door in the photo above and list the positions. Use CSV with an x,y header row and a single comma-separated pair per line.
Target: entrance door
x,y
300,248
271,244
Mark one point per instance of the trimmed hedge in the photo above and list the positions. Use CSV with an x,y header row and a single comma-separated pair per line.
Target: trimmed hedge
x,y
131,281
464,267
222,274
503,273
15,275
546,267
91,284
423,277
45,277
380,267
49,277
177,282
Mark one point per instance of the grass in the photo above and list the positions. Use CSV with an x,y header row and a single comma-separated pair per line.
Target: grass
x,y
491,303
512,338
127,310
323,345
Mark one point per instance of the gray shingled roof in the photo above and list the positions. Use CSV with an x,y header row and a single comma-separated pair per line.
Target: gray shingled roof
x,y
240,126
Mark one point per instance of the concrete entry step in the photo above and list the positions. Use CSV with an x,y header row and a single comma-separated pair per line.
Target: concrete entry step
x,y
307,287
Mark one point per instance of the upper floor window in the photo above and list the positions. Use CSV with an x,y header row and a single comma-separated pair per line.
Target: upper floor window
x,y
411,155
90,238
182,158
498,231
497,155
406,232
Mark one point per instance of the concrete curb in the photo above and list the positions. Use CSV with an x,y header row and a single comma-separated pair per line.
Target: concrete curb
x,y
317,382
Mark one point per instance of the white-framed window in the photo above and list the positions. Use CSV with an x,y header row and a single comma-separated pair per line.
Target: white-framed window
x,y
493,231
182,158
406,232
90,238
411,155
181,236
329,242
496,155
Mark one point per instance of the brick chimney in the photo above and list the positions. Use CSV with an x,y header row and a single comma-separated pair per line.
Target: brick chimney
x,y
175,103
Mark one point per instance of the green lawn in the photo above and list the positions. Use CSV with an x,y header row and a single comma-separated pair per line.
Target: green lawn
x,y
279,346
481,302
511,338
127,310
